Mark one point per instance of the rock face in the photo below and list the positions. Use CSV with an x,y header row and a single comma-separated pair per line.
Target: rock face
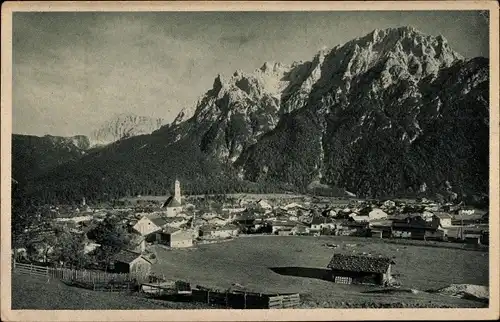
x,y
123,126
380,115
369,116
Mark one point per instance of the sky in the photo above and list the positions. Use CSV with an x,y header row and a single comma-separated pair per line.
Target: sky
x,y
73,71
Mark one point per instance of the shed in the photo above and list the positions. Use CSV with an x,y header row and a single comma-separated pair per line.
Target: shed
x,y
127,261
360,269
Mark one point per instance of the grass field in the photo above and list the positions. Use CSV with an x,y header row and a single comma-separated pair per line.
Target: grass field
x,y
247,261
34,293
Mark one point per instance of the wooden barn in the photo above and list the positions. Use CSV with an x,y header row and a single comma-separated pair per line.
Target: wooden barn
x,y
127,261
360,269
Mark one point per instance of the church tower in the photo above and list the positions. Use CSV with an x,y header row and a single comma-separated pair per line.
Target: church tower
x,y
177,191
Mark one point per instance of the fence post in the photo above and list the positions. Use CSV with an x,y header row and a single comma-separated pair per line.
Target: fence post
x,y
227,299
208,297
245,300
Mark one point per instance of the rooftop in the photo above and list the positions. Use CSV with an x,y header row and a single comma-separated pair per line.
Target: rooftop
x,y
170,230
317,220
359,263
171,202
158,221
126,256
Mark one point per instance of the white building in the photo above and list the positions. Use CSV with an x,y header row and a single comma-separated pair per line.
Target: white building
x,y
174,203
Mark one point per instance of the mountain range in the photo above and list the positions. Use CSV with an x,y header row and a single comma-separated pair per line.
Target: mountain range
x,y
122,126
380,115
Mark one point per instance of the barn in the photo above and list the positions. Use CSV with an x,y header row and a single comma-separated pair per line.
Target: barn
x,y
175,238
127,261
360,269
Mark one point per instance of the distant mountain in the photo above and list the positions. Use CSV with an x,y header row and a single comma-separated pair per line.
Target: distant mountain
x,y
33,156
380,115
122,126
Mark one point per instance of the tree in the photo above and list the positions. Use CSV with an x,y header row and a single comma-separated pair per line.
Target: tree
x,y
24,216
69,250
111,236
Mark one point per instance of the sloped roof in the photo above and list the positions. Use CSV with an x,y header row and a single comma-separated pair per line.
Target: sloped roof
x,y
158,221
358,263
126,256
214,228
171,202
442,215
321,220
170,230
288,223
381,223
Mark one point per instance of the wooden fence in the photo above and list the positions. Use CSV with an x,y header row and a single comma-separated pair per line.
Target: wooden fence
x,y
98,281
112,282
245,300
284,301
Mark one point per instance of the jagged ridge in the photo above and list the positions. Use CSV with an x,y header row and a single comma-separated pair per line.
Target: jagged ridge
x,y
379,115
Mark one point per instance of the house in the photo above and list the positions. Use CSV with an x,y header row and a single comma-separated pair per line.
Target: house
x,y
468,219
175,238
176,222
294,206
381,228
389,204
283,225
299,229
359,219
466,211
439,233
350,227
232,210
442,219
377,214
246,218
89,247
149,224
328,212
212,232
416,227
360,269
218,221
318,223
127,261
264,205
174,203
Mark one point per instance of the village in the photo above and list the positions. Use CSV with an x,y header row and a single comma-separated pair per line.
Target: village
x,y
179,222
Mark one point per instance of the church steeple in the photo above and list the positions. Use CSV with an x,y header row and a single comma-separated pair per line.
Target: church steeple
x,y
177,191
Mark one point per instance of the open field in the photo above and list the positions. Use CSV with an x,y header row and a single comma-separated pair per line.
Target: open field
x,y
33,292
248,262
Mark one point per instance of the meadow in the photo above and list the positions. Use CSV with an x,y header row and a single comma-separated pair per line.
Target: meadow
x,y
36,293
252,262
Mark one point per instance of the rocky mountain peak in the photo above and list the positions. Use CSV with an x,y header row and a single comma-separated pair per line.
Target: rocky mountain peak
x,y
123,125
